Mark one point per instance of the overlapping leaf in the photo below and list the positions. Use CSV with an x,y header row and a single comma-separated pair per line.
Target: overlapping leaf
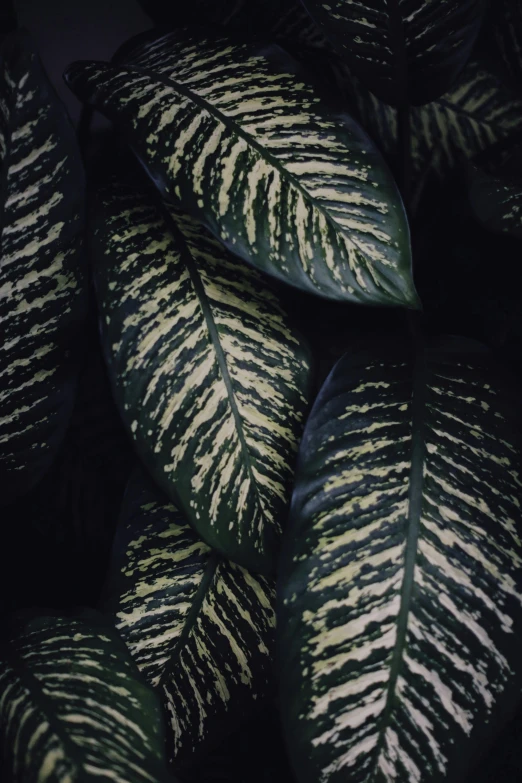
x,y
404,52
230,132
401,587
210,377
496,202
286,22
74,708
200,628
42,287
478,112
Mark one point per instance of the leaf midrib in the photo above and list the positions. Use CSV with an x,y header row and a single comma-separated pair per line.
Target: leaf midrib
x,y
36,689
235,128
192,615
208,315
415,499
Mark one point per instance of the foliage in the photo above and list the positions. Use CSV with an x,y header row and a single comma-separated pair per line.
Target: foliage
x,y
232,422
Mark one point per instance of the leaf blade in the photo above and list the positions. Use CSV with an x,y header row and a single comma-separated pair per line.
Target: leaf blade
x,y
55,728
211,379
42,275
478,112
391,642
304,196
199,627
403,53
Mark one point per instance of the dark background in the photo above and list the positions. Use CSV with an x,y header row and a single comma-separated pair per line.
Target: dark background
x,y
63,572
68,30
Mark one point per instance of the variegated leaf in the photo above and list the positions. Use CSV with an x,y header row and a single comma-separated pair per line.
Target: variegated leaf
x,y
292,187
404,51
42,278
211,379
199,627
496,202
74,708
478,112
400,624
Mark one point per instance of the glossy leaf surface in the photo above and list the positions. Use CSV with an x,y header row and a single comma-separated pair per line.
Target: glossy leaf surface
x,y
42,276
401,587
209,375
231,133
199,627
74,708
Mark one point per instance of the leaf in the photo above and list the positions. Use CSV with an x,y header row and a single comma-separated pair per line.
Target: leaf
x,y
210,377
289,185
400,597
478,112
285,22
403,52
61,532
199,627
497,203
508,34
74,708
42,275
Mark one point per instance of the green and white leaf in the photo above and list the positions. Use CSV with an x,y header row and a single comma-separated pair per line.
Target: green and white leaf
x,y
508,33
478,112
291,186
42,277
404,52
496,202
400,596
74,708
199,627
211,379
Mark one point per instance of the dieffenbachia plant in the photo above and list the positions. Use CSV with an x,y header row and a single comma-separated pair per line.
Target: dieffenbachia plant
x,y
211,378
261,205
404,52
290,185
199,627
42,274
400,601
73,706
476,113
